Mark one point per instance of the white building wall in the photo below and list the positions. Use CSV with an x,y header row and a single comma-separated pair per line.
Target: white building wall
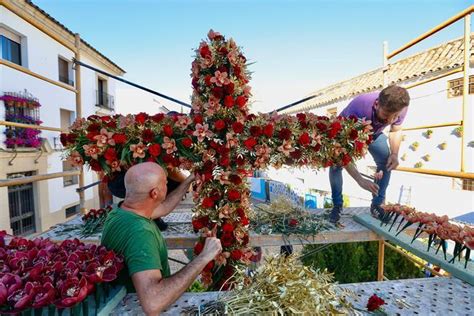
x,y
42,54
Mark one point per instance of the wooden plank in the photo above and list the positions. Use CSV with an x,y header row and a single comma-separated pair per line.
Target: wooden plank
x,y
419,249
113,302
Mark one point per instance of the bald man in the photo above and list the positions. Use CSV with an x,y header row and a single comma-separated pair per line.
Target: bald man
x,y
130,230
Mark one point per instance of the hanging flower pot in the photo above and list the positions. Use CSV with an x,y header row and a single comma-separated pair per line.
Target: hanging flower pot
x,y
414,146
427,157
428,134
419,164
458,131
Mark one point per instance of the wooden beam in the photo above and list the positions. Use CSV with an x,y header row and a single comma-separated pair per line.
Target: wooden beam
x,y
442,173
437,28
77,56
36,75
39,177
46,128
457,123
381,259
465,86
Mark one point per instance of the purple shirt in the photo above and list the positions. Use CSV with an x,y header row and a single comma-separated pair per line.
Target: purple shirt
x,y
363,107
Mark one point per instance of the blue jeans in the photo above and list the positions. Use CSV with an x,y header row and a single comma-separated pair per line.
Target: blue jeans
x,y
380,152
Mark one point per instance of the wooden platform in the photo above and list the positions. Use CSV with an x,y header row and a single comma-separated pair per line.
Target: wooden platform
x,y
180,235
430,296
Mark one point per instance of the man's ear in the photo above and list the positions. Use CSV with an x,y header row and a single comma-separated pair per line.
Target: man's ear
x,y
153,193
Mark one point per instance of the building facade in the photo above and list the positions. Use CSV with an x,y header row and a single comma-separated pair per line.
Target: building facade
x,y
431,140
37,86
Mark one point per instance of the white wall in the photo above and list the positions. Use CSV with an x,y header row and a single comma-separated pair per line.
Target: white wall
x,y
42,57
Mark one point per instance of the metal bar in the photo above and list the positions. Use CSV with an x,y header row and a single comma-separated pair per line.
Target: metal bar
x,y
450,174
296,103
34,74
437,28
465,88
178,261
458,123
39,177
417,262
15,124
380,262
93,184
131,83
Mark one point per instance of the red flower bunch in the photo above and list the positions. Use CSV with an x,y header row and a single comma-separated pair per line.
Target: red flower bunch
x,y
38,273
375,303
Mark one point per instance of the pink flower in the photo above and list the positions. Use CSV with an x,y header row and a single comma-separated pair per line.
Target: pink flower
x,y
221,258
224,177
220,78
114,165
138,150
76,159
91,151
183,121
212,35
169,145
105,138
202,132
286,148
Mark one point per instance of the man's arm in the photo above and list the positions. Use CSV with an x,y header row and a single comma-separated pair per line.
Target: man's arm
x,y
173,199
394,139
363,183
156,293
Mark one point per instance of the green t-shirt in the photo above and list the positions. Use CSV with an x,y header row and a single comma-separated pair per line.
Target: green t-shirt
x,y
140,242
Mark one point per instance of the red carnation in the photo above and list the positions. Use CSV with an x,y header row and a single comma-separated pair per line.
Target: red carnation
x,y
95,165
229,89
334,129
187,142
71,138
141,117
207,202
198,248
301,117
218,92
241,101
197,224
346,159
207,80
293,222
321,126
90,136
110,154
233,195
240,161
268,130
374,303
227,239
158,117
296,154
154,150
244,221
229,101
94,127
209,266
284,134
359,146
354,134
148,135
205,51
168,130
237,127
235,179
236,254
227,228
197,119
250,143
304,139
219,124
224,161
63,137
255,131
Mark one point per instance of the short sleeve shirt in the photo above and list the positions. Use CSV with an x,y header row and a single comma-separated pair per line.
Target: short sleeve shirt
x,y
140,242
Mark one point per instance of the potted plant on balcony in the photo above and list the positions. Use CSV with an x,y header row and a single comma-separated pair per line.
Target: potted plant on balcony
x,y
428,134
443,146
458,131
414,146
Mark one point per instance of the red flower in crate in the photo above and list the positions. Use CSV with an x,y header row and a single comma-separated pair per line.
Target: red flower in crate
x,y
43,295
22,298
374,303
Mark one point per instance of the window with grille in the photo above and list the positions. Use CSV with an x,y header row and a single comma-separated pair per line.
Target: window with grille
x,y
64,67
455,87
69,180
73,210
463,184
21,206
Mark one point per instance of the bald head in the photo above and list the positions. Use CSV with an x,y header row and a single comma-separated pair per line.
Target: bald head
x,y
141,179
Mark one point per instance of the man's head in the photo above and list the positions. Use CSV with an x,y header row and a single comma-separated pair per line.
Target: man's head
x,y
145,183
391,102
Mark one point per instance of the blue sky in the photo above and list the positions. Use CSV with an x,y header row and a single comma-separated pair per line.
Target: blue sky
x,y
297,46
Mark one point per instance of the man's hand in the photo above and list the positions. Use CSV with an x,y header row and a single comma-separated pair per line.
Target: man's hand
x,y
392,162
212,247
369,186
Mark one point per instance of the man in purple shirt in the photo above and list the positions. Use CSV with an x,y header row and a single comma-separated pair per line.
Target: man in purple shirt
x,y
388,107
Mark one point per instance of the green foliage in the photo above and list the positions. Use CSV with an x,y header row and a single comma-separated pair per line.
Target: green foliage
x,y
196,287
357,262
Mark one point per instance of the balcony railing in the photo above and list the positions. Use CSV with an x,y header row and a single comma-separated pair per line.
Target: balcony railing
x,y
66,80
104,100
